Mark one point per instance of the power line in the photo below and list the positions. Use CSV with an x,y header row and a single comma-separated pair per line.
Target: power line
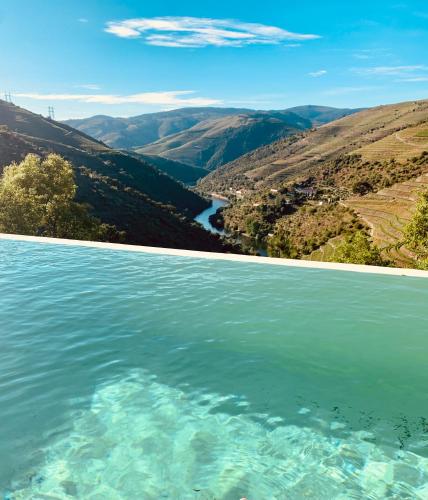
x,y
8,97
51,112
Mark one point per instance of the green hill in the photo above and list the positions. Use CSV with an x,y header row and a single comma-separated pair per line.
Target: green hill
x,y
133,195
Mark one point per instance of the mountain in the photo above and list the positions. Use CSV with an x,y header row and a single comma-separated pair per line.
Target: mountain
x,y
306,192
133,195
319,115
129,133
215,142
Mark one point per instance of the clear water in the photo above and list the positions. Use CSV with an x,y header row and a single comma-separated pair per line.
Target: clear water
x,y
129,375
204,217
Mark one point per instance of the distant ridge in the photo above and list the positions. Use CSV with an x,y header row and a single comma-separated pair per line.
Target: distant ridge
x,y
204,137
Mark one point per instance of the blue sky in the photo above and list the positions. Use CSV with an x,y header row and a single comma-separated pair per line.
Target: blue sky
x,y
135,56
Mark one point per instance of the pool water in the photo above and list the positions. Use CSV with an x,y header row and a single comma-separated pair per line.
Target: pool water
x,y
134,375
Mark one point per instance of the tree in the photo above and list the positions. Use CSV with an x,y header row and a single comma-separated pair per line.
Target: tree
x,y
362,187
416,231
37,198
279,245
357,249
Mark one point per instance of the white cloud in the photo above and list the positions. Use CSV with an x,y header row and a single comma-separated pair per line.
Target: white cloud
x,y
83,20
173,98
88,86
193,32
317,74
389,70
414,79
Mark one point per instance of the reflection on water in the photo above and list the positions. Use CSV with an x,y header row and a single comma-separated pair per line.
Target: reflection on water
x,y
143,439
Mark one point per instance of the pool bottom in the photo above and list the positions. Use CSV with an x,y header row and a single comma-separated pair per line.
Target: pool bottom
x,y
144,439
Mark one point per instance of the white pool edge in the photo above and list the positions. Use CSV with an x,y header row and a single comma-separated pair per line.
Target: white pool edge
x,y
332,266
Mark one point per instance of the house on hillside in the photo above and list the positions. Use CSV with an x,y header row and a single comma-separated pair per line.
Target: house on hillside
x,y
308,192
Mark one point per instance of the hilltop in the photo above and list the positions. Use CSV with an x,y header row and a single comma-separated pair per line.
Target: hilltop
x,y
136,131
124,191
361,172
212,143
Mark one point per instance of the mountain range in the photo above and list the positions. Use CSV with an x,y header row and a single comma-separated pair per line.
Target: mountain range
x,y
130,193
203,138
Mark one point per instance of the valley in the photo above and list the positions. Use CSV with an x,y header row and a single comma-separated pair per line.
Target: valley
x,y
322,175
134,196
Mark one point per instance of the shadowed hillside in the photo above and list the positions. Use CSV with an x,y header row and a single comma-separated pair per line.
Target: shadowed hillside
x,y
178,170
150,206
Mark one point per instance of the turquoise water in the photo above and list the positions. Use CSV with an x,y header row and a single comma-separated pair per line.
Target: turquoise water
x,y
130,375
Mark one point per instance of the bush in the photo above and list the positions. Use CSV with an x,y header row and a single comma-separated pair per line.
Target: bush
x,y
357,249
362,187
416,232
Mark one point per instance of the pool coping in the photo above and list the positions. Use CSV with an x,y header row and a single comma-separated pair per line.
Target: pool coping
x,y
308,264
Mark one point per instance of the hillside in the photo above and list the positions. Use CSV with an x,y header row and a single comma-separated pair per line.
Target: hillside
x,y
212,143
150,206
295,189
136,131
184,173
298,155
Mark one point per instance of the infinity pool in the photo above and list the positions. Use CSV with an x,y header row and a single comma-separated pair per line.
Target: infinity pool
x,y
141,376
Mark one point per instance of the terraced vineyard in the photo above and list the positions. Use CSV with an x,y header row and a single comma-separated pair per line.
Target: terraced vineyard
x,y
387,212
400,145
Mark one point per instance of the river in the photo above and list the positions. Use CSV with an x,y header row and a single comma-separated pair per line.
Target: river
x,y
203,217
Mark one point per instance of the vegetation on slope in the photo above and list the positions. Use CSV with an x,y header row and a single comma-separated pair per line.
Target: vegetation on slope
x,y
151,207
308,205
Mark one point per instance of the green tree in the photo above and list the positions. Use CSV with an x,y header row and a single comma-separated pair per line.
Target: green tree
x,y
416,231
37,198
357,249
279,245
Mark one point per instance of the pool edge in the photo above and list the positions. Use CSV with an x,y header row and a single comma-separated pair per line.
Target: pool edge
x,y
332,266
